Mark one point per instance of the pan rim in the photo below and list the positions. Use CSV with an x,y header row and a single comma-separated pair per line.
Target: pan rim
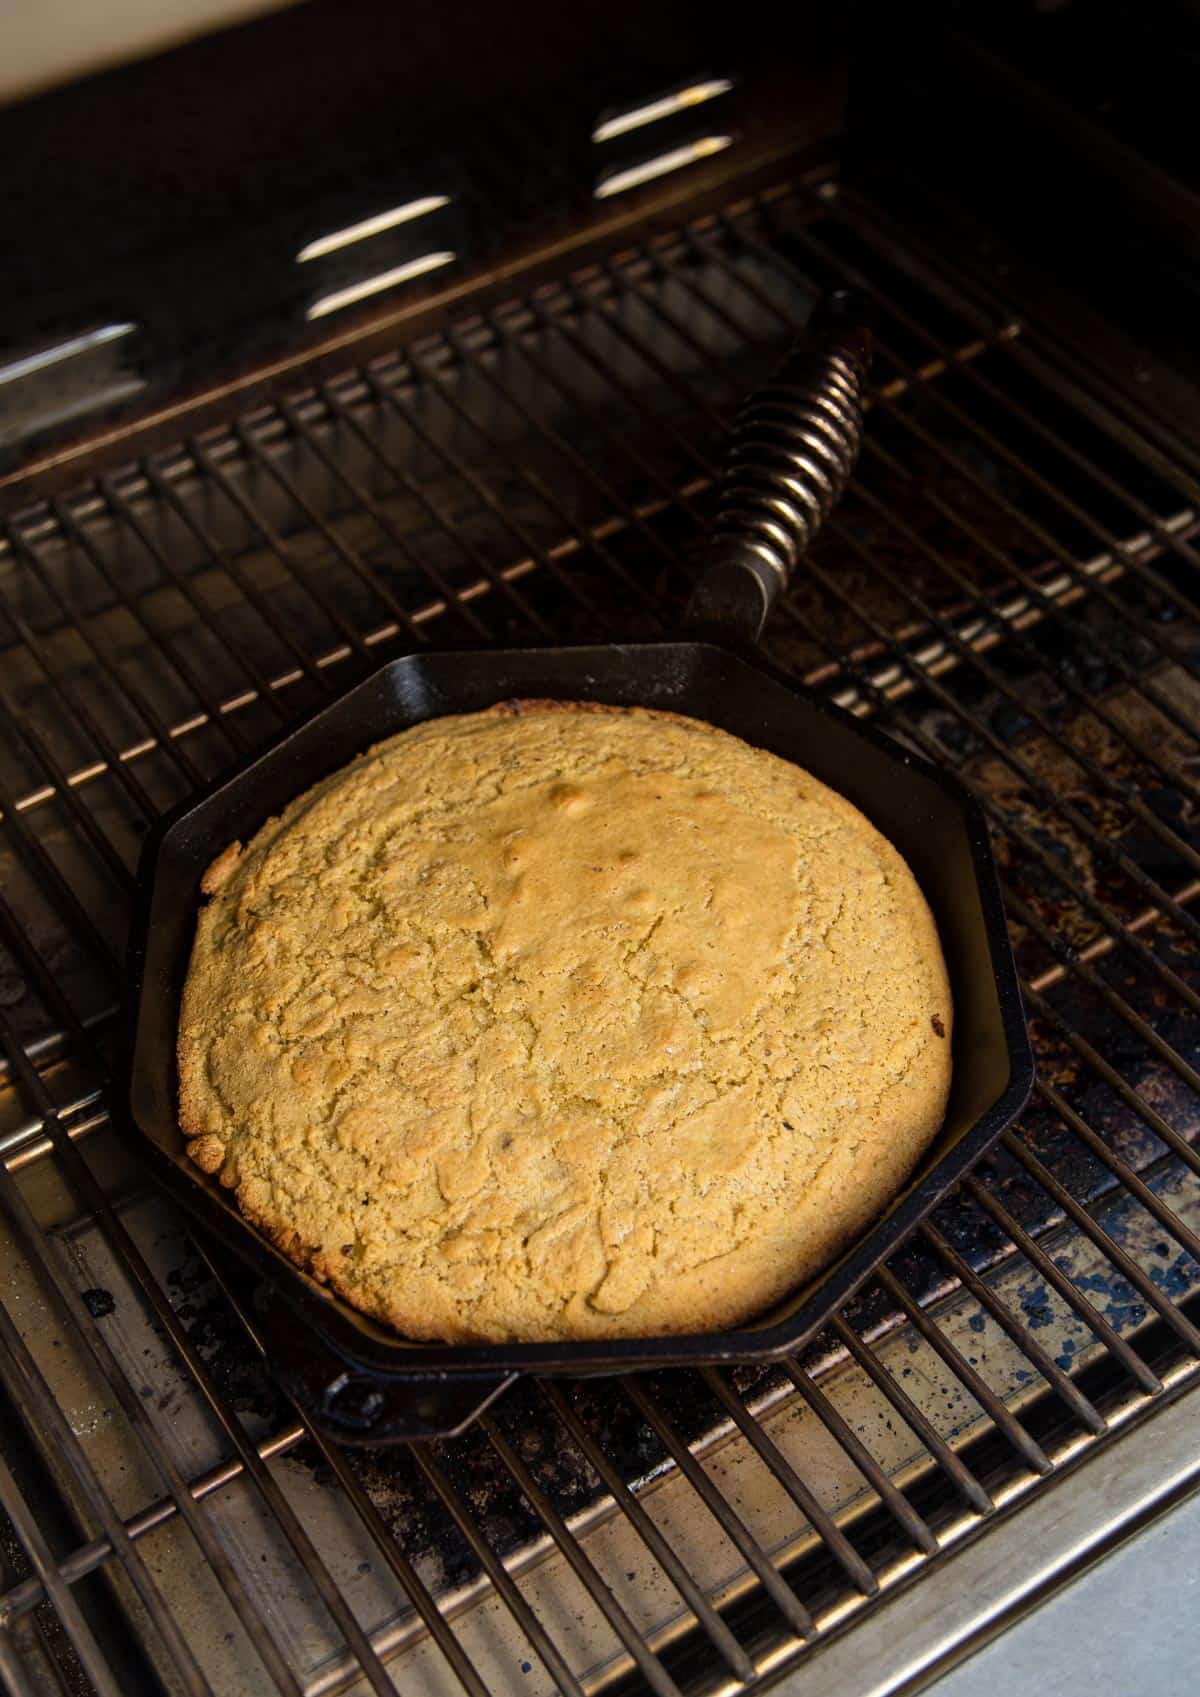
x,y
396,1359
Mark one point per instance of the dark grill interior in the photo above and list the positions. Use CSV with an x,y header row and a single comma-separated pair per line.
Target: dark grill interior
x,y
1007,587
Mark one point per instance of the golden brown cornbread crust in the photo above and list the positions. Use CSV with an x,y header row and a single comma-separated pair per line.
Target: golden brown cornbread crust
x,y
550,1023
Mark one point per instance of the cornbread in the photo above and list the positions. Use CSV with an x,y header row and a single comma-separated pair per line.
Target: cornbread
x,y
558,1021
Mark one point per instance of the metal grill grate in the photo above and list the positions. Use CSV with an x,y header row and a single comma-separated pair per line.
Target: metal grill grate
x,y
1008,587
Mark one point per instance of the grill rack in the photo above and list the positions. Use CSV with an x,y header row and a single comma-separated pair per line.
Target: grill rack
x,y
174,612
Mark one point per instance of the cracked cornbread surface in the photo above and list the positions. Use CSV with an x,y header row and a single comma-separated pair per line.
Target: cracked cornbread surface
x,y
558,1021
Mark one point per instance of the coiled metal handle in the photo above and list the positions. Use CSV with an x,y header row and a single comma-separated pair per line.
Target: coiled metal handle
x,y
793,448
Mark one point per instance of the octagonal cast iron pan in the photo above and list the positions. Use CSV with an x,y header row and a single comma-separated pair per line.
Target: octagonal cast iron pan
x,y
792,451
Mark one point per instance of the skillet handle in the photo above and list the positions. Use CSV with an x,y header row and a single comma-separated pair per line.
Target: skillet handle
x,y
793,448
354,1405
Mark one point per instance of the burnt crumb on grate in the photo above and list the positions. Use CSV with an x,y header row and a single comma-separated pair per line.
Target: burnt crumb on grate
x,y
193,1275
422,1525
425,1530
219,1337
99,1302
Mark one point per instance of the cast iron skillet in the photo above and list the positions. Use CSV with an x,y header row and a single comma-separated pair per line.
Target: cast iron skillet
x,y
792,451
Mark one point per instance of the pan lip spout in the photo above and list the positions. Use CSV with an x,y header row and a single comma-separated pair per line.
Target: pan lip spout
x,y
741,691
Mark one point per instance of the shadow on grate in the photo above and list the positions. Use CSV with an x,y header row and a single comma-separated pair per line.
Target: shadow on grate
x,y
1008,588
